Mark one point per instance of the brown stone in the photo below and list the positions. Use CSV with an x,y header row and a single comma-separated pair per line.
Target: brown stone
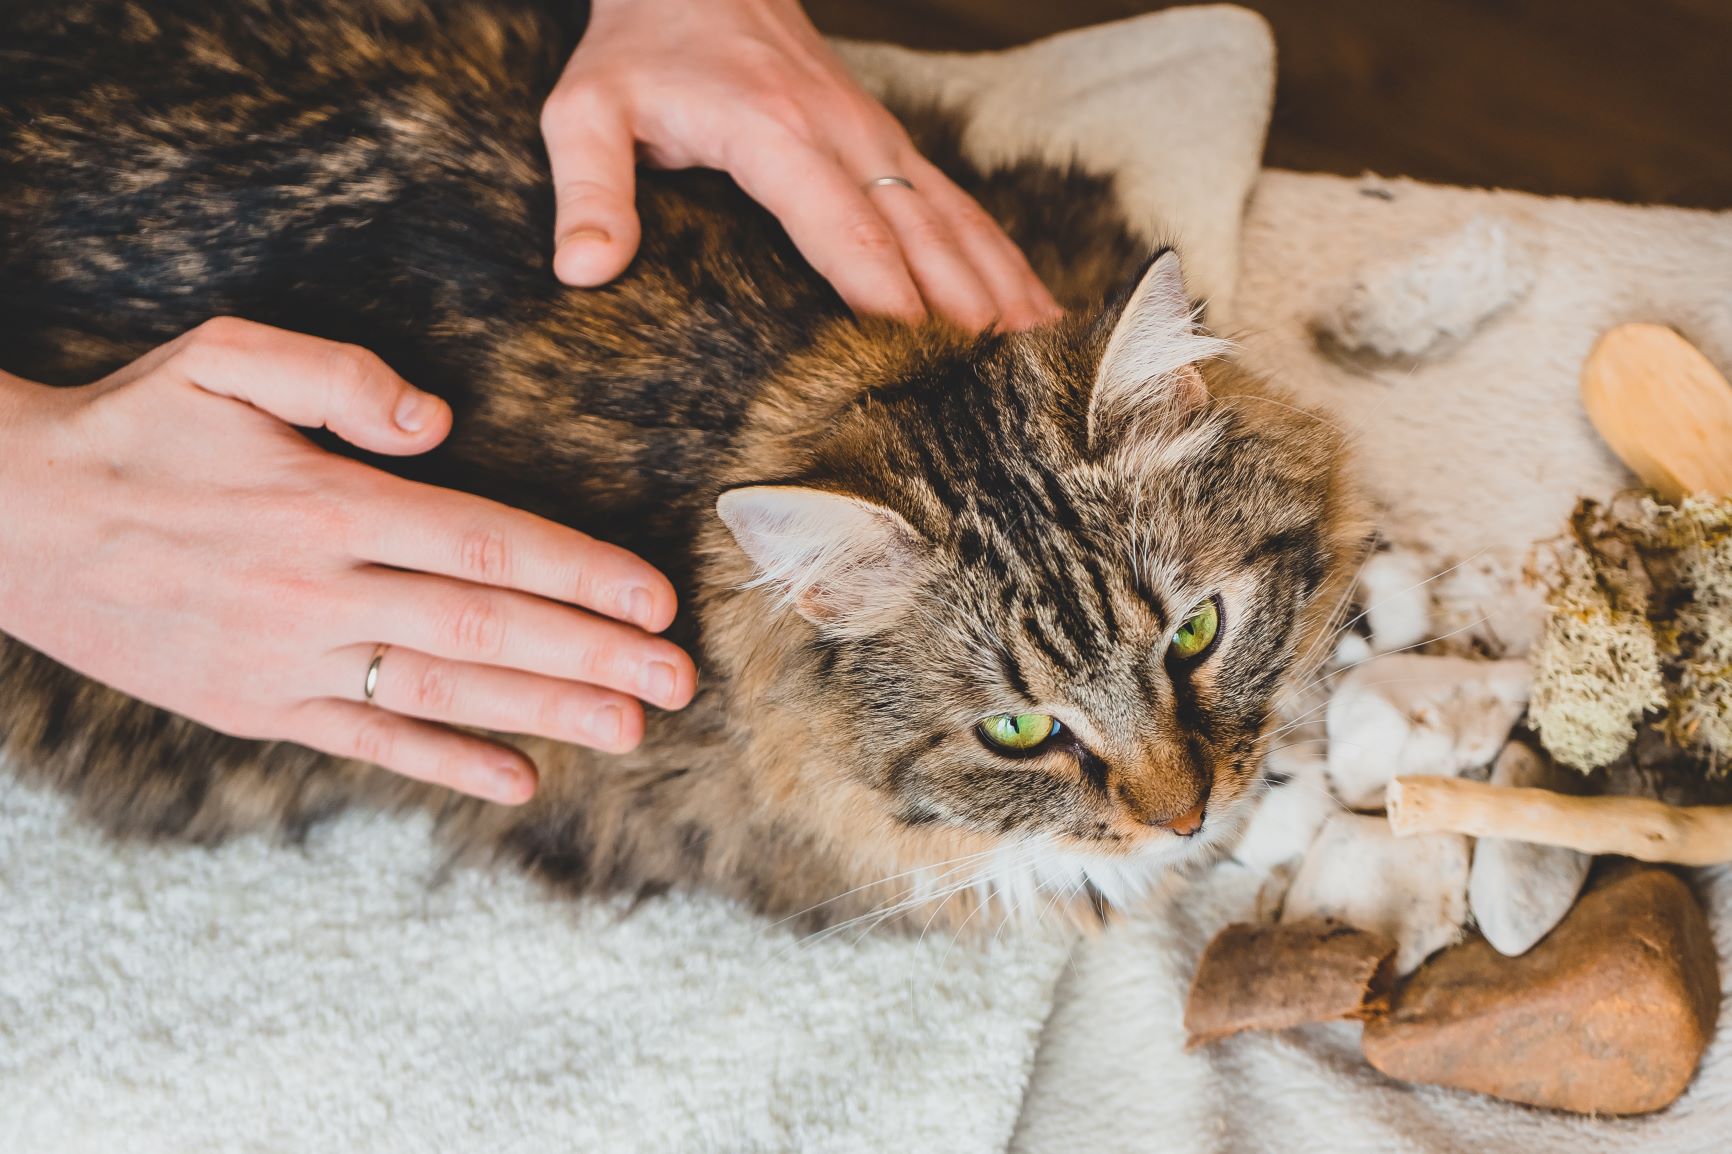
x,y
1271,977
1609,1014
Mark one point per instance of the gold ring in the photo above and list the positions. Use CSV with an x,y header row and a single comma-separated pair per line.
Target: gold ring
x,y
889,182
372,682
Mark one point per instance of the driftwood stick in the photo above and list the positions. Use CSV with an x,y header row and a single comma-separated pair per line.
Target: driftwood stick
x,y
1629,826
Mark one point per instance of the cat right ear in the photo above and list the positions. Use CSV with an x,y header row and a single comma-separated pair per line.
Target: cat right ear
x,y
1149,369
847,565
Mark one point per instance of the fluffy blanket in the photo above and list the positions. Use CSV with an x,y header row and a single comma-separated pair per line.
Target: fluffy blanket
x,y
355,994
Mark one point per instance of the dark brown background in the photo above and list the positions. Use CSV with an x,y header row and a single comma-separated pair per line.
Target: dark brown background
x,y
1624,99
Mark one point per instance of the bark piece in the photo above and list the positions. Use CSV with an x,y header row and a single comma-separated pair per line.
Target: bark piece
x,y
1273,977
1609,1014
1413,889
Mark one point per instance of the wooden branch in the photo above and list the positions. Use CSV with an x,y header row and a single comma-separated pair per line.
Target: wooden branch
x,y
1630,826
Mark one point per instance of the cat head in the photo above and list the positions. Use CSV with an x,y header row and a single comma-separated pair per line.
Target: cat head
x,y
1049,585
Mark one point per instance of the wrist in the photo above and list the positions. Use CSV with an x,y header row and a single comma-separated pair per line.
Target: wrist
x,y
15,397
13,401
21,403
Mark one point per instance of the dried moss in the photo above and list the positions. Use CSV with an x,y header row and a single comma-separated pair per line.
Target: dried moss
x,y
1639,632
1701,714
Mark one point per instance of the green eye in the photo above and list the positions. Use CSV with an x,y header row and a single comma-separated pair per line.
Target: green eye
x,y
1194,637
1018,732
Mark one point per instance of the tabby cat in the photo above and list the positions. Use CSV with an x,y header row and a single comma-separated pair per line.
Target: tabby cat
x,y
976,617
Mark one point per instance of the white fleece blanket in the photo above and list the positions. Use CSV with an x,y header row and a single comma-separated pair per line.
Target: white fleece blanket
x,y
1484,305
354,995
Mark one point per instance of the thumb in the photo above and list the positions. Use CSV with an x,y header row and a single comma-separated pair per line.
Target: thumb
x,y
593,154
314,383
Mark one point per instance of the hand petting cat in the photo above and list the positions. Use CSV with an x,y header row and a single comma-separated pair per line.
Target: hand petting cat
x,y
749,87
168,533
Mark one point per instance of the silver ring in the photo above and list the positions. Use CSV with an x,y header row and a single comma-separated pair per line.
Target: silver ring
x,y
889,182
372,682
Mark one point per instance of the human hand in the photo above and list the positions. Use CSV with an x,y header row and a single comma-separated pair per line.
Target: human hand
x,y
167,532
749,87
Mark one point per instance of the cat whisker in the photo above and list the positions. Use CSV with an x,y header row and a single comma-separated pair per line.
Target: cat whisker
x,y
978,854
1318,417
1314,788
1315,682
1296,721
1066,893
1356,618
911,898
1317,651
1296,744
938,970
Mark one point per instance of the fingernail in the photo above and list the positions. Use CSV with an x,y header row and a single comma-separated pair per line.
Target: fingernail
x,y
586,234
642,607
503,782
606,724
656,682
414,410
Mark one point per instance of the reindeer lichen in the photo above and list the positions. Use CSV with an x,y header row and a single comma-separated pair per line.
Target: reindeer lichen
x,y
1638,632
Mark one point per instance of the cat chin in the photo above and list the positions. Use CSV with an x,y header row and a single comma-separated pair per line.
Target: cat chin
x,y
1033,877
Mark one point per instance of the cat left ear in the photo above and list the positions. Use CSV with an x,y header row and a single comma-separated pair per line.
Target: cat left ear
x,y
1149,369
847,565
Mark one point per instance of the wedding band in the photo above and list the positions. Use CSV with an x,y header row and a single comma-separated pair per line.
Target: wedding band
x,y
372,682
889,182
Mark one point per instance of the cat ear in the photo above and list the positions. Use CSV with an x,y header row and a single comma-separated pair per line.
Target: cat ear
x,y
847,565
1149,370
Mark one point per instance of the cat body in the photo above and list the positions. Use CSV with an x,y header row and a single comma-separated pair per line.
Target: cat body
x,y
883,537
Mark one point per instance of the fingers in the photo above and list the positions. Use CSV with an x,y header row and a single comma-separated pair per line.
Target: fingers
x,y
483,697
830,220
312,382
467,623
430,530
1022,300
947,280
889,250
593,154
416,749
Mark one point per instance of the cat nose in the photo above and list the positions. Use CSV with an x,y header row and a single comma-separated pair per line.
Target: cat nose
x,y
1186,823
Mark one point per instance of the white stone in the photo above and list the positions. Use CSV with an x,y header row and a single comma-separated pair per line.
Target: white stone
x,y
1407,714
1393,587
1518,891
1290,812
1350,650
1412,888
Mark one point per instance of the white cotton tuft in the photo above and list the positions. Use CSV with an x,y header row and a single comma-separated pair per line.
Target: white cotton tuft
x,y
1439,291
1290,811
1393,587
1405,714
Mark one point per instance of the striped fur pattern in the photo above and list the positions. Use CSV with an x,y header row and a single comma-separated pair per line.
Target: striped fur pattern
x,y
880,534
